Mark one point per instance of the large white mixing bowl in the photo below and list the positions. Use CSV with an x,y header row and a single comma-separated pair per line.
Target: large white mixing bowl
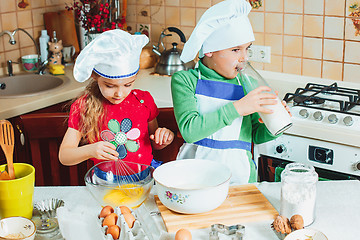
x,y
192,185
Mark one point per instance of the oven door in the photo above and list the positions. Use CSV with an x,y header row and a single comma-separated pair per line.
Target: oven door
x,y
270,168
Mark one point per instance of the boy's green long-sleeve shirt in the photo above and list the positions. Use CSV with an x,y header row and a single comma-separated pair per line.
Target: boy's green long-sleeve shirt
x,y
194,126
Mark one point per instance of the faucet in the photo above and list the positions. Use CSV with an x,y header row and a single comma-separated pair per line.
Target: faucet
x,y
12,40
10,68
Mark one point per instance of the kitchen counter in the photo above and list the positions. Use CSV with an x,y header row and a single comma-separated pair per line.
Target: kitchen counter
x,y
158,86
337,212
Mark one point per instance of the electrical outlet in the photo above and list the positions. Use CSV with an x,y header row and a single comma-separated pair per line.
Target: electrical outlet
x,y
143,29
259,53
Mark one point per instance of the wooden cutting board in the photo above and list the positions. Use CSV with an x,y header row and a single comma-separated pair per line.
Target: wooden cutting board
x,y
64,24
245,203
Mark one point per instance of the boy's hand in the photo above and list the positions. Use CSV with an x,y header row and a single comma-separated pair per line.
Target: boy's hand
x,y
162,136
254,101
104,150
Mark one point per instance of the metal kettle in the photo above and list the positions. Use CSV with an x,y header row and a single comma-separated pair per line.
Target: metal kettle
x,y
169,61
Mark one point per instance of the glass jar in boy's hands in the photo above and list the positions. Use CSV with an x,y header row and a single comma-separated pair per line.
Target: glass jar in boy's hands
x,y
279,120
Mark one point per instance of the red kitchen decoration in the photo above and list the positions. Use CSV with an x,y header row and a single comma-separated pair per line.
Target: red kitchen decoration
x,y
256,3
355,17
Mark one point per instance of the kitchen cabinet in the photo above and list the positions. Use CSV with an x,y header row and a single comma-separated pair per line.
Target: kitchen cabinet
x,y
43,131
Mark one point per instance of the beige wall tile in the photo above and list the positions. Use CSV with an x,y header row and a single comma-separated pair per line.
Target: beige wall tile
x,y
175,3
273,23
155,32
293,6
348,4
187,3
8,6
156,2
199,12
313,26
335,7
292,65
203,3
275,64
213,2
13,55
37,3
275,42
187,31
274,5
311,68
25,40
259,39
8,46
143,2
334,27
312,48
38,18
9,21
257,65
314,7
332,70
139,17
131,13
157,14
187,16
292,46
352,52
2,44
351,72
51,2
333,50
172,16
257,21
2,62
293,24
24,19
350,30
27,51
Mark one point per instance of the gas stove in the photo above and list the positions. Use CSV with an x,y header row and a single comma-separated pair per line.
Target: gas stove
x,y
325,131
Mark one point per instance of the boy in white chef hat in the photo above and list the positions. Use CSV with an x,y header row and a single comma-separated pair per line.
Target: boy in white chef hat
x,y
114,120
216,118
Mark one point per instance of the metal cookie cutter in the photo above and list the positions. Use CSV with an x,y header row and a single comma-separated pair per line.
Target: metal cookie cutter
x,y
237,230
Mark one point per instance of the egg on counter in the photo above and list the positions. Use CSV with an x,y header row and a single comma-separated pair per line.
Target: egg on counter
x,y
129,219
114,231
183,234
124,209
107,210
110,220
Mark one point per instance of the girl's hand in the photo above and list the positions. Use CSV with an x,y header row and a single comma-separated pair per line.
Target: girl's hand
x,y
162,136
254,101
104,150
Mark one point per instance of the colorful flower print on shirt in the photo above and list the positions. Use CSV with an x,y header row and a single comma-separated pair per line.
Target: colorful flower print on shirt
x,y
122,136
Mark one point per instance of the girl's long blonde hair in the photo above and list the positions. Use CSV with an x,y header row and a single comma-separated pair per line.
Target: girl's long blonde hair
x,y
91,112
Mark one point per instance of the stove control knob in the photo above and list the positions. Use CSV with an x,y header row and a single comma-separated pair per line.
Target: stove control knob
x,y
357,166
304,113
332,118
318,116
348,121
280,148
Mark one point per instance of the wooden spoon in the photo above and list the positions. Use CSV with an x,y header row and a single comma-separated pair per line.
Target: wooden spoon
x,y
7,144
4,175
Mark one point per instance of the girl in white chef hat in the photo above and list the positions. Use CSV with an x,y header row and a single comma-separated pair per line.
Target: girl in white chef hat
x,y
216,118
110,109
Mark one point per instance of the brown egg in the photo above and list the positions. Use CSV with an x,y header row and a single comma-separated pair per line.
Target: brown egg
x,y
114,230
124,209
183,234
129,219
110,220
297,222
106,211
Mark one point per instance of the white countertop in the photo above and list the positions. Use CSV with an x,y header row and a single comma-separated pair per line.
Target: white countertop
x,y
337,211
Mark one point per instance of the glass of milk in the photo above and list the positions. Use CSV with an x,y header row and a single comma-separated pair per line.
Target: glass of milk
x,y
279,120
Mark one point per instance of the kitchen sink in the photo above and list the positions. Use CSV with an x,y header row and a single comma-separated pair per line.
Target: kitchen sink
x,y
30,85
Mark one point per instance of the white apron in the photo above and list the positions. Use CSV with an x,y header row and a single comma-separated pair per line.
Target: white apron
x,y
224,145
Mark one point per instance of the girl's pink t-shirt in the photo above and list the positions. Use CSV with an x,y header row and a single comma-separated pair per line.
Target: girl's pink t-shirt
x,y
139,107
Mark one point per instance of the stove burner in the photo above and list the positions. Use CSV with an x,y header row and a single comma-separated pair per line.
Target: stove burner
x,y
308,100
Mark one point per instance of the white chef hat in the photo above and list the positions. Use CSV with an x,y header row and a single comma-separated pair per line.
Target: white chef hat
x,y
224,25
113,54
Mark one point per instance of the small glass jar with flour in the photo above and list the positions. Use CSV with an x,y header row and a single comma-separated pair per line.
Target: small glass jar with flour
x,y
298,191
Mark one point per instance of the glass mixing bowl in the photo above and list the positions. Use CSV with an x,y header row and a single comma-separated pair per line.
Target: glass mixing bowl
x,y
120,183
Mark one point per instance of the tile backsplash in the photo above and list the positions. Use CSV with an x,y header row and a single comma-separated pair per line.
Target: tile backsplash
x,y
307,37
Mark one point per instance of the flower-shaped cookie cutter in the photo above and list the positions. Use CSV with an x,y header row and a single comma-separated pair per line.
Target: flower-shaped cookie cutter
x,y
237,230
